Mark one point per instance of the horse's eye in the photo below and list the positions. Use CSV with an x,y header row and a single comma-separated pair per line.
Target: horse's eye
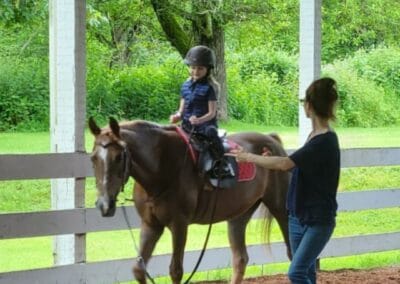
x,y
93,158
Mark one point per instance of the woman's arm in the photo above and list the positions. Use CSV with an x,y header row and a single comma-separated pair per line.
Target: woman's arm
x,y
269,162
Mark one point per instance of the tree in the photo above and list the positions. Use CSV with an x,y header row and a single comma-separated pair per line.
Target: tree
x,y
196,22
119,25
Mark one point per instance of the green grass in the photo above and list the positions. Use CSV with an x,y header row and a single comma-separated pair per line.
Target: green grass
x,y
34,195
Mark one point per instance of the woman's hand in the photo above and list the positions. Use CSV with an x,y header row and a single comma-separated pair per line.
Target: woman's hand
x,y
239,154
242,156
266,152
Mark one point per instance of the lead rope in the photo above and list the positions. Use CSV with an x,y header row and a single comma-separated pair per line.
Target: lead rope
x,y
139,259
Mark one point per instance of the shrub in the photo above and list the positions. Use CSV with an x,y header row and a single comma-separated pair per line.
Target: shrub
x,y
381,65
361,101
147,92
262,88
24,94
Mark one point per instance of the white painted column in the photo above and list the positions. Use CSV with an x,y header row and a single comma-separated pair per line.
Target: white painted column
x,y
67,112
310,56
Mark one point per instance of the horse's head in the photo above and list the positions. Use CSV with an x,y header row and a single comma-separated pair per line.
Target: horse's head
x,y
109,158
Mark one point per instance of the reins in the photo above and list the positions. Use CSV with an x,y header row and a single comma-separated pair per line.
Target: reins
x,y
206,240
209,225
139,259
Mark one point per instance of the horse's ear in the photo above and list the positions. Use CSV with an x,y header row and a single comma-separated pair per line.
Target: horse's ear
x,y
93,127
114,126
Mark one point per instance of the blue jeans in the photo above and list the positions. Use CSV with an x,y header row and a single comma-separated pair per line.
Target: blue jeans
x,y
306,243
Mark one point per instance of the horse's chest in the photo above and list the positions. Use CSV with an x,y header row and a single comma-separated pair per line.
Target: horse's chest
x,y
153,211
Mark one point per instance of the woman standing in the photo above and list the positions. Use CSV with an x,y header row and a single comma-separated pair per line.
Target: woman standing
x,y
311,200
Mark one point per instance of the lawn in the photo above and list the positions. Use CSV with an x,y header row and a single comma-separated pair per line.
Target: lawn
x,y
34,195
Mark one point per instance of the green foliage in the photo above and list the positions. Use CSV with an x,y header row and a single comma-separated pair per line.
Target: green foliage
x,y
367,98
381,65
121,26
262,88
147,92
133,72
17,12
24,100
348,26
272,23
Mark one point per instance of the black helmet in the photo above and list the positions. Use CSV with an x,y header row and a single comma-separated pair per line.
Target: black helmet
x,y
200,55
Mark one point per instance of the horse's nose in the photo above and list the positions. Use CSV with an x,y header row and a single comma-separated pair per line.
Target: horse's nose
x,y
106,207
102,205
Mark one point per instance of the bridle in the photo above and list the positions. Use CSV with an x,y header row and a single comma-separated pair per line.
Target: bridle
x,y
125,159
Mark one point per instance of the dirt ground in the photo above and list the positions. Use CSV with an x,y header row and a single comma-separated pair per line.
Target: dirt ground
x,y
388,275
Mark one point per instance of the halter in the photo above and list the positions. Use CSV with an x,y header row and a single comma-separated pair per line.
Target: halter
x,y
125,161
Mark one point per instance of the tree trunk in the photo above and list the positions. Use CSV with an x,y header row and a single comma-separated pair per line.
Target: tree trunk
x,y
220,71
208,30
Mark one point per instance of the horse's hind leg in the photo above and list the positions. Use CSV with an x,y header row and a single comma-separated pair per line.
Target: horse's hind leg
x,y
237,240
149,235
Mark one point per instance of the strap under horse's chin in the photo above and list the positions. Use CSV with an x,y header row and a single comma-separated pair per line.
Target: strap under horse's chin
x,y
126,168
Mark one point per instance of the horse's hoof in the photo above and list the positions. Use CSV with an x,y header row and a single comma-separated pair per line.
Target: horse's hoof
x,y
139,275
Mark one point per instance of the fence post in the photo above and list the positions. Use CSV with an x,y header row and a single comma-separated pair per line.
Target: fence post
x,y
67,112
310,56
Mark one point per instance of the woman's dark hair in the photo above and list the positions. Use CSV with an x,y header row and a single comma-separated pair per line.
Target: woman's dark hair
x,y
322,95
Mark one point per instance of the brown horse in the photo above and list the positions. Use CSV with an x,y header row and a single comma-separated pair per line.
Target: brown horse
x,y
169,191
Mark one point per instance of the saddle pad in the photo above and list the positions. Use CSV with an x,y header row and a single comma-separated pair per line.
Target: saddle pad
x,y
247,171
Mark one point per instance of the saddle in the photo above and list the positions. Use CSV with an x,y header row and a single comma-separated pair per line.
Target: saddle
x,y
221,171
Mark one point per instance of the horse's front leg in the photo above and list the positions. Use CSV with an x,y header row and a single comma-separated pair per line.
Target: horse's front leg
x,y
149,235
179,234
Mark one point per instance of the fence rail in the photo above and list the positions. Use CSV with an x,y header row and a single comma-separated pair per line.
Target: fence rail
x,y
84,220
70,165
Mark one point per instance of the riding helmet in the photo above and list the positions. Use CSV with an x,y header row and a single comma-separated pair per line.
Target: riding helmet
x,y
200,55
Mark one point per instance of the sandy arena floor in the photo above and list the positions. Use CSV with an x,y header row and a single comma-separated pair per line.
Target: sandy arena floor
x,y
388,275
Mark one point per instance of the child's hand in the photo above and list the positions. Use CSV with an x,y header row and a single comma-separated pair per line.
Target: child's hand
x,y
174,118
194,120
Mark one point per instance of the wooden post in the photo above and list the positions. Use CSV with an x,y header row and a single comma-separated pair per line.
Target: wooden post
x,y
310,59
67,112
310,56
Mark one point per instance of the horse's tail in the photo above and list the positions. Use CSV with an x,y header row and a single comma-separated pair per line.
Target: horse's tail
x,y
267,222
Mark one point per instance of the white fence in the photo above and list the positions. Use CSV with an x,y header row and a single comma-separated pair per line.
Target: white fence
x,y
80,221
